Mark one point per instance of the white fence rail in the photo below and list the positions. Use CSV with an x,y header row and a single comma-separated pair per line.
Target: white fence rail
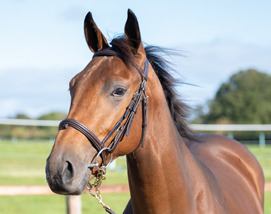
x,y
22,122
198,127
231,127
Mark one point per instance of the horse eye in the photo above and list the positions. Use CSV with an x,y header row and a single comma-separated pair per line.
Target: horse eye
x,y
118,92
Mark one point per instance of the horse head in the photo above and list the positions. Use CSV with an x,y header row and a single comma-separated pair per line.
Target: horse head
x,y
100,94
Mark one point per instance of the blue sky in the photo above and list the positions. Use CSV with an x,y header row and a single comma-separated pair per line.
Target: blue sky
x,y
43,46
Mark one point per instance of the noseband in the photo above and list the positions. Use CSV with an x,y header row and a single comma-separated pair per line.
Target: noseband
x,y
138,97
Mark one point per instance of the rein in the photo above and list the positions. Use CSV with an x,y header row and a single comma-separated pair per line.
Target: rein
x,y
138,97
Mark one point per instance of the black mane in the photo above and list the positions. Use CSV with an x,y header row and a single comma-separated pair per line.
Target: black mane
x,y
161,66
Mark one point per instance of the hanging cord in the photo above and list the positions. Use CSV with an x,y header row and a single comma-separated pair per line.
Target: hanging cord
x,y
98,182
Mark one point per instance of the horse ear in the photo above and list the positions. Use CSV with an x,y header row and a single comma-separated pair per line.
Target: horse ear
x,y
95,39
132,33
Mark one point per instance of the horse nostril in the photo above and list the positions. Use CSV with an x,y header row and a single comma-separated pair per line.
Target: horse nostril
x,y
68,172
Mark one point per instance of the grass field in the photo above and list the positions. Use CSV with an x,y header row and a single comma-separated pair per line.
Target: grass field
x,y
23,163
56,204
264,157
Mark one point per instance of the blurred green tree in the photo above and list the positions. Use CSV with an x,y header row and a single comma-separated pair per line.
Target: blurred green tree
x,y
32,132
53,116
48,131
22,116
244,98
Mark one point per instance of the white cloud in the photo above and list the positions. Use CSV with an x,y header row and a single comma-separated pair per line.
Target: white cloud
x,y
36,91
8,107
43,45
74,13
208,65
33,91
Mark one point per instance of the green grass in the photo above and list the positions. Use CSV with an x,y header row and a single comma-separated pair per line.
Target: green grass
x,y
267,203
263,155
56,204
23,163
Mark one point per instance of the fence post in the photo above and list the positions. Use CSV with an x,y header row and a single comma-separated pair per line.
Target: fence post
x,y
262,140
230,135
112,166
74,204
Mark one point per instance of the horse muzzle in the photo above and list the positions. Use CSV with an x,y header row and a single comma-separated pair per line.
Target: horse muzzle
x,y
64,177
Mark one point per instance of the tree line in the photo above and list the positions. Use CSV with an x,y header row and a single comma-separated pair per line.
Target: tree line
x,y
32,132
245,98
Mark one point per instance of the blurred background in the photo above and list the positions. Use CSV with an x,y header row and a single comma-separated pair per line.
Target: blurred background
x,y
225,70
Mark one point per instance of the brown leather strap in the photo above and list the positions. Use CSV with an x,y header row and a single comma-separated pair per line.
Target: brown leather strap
x,y
83,129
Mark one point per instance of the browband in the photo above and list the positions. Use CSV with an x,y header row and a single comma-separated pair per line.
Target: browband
x,y
111,52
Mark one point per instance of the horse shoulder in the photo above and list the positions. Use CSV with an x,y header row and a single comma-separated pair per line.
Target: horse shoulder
x,y
235,168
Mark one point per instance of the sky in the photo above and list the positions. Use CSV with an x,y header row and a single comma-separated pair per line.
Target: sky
x,y
42,45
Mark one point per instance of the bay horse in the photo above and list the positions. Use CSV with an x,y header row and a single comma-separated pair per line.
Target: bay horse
x,y
171,169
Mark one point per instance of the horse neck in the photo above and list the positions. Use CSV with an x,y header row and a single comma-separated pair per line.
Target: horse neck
x,y
154,169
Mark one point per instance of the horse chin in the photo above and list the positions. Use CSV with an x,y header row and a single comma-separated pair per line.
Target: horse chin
x,y
76,187
82,186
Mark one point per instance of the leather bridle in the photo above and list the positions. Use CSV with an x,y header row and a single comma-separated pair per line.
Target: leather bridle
x,y
138,97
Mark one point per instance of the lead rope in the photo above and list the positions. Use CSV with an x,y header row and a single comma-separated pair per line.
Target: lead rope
x,y
98,181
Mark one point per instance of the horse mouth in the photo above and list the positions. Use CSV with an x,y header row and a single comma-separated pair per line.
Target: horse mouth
x,y
75,187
